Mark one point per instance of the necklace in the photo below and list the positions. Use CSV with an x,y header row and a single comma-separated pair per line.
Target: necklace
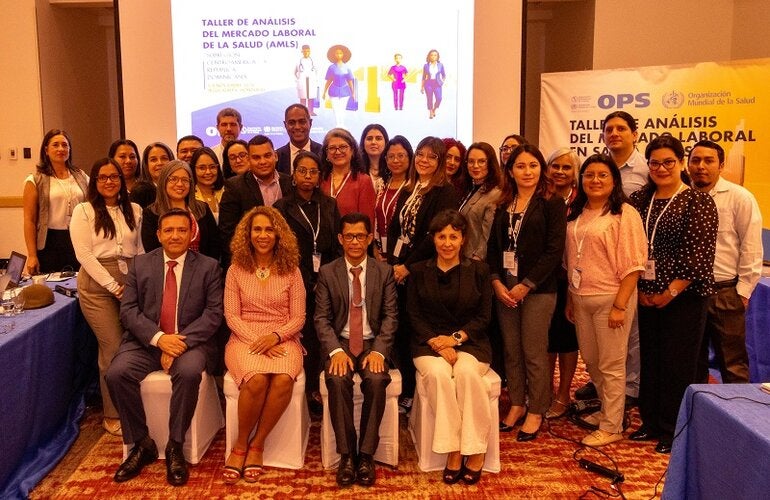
x,y
263,273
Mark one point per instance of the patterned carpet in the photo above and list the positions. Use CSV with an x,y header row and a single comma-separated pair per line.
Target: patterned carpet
x,y
543,468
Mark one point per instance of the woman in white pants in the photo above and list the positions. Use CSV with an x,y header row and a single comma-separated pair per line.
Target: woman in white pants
x,y
449,301
606,250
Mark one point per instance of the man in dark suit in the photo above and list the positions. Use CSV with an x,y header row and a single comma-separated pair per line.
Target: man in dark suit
x,y
298,123
171,307
262,185
356,318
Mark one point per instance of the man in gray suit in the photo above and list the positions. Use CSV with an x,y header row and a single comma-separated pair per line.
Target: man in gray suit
x,y
171,307
356,320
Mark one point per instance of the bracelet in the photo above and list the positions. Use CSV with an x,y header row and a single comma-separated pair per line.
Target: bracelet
x,y
279,337
619,308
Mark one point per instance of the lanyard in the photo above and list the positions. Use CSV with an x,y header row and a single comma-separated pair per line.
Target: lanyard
x,y
581,240
317,229
657,219
331,186
514,229
407,207
114,212
386,206
474,190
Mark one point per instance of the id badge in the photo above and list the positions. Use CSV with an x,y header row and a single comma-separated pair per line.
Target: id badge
x,y
511,263
122,266
576,278
399,246
384,244
316,261
649,270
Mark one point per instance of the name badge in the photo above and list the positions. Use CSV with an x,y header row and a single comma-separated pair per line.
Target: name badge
x,y
316,261
399,246
511,262
576,278
649,270
384,244
122,266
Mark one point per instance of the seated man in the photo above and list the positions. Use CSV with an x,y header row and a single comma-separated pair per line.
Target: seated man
x,y
356,320
168,330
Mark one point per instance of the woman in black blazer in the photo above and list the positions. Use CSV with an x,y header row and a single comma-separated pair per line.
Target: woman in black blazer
x,y
426,194
314,219
524,253
450,305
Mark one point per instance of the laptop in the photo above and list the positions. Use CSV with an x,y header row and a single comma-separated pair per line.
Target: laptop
x,y
13,272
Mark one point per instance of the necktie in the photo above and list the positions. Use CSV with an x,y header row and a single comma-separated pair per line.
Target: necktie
x,y
168,306
356,314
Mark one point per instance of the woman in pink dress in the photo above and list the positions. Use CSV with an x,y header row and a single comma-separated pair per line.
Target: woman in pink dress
x,y
265,310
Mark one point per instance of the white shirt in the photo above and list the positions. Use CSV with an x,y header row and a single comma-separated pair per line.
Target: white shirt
x,y
294,150
634,172
90,247
63,196
739,238
178,274
219,151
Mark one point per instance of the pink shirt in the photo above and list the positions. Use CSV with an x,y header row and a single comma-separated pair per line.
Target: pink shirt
x,y
612,247
356,195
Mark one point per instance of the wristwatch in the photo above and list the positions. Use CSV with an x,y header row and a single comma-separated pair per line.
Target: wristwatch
x,y
458,338
673,291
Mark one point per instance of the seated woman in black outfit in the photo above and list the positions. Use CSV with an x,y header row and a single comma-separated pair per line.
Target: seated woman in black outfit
x,y
314,218
175,190
450,304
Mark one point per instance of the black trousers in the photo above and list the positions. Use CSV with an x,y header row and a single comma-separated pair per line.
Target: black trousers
x,y
373,387
670,340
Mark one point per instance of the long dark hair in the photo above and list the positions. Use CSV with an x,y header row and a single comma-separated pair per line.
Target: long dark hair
x,y
492,179
127,142
402,141
227,169
617,196
219,183
662,142
145,174
102,219
509,188
365,157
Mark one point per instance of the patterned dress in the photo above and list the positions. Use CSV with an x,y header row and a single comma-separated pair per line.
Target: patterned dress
x,y
255,308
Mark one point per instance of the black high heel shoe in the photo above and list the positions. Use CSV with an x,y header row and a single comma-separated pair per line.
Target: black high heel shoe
x,y
470,476
508,428
526,436
452,476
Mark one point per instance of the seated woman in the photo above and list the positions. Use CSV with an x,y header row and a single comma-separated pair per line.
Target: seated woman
x,y
265,310
208,178
175,191
450,305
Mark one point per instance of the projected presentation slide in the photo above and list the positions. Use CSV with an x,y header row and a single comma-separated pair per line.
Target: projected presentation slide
x,y
404,64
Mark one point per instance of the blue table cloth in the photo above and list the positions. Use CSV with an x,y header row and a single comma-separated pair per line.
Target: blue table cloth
x,y
758,333
46,358
722,444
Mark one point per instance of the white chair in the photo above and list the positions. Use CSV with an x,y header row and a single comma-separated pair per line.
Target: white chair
x,y
286,444
422,419
206,422
387,449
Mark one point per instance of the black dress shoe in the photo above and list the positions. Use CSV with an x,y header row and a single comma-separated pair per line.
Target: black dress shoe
x,y
346,473
137,459
664,445
644,433
176,466
588,391
526,436
365,473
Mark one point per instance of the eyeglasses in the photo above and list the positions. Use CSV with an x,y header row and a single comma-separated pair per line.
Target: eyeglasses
x,y
481,162
304,171
396,156
239,156
207,168
359,237
422,155
338,149
104,178
602,176
185,181
668,164
507,149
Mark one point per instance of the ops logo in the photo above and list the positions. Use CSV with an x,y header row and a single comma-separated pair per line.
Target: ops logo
x,y
620,101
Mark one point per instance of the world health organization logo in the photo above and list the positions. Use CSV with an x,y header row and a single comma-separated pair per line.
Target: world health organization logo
x,y
673,99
